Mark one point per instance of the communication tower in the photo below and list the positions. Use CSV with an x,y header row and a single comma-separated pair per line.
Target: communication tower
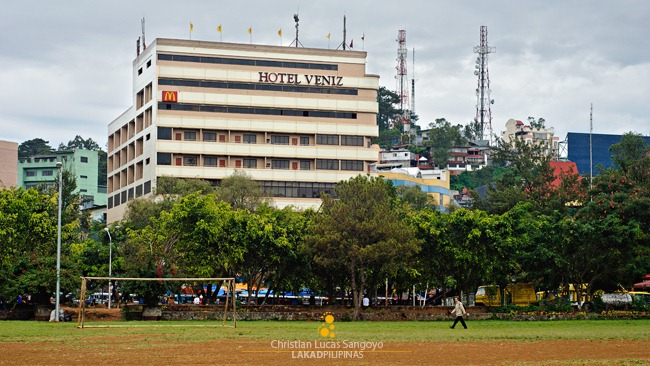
x,y
402,79
483,101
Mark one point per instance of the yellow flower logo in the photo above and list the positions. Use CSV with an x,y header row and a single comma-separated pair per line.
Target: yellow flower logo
x,y
326,329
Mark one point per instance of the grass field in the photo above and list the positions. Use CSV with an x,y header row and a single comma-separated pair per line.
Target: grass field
x,y
625,342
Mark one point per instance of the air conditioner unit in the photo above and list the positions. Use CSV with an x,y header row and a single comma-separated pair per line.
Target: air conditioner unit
x,y
268,165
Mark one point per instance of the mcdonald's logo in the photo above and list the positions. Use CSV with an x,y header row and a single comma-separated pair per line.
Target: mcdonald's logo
x,y
170,96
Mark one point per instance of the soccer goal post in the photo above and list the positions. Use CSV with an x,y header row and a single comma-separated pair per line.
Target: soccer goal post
x,y
227,282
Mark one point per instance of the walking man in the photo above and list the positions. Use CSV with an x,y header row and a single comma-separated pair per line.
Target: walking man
x,y
459,311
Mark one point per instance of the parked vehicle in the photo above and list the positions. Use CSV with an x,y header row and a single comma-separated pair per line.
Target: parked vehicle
x,y
520,294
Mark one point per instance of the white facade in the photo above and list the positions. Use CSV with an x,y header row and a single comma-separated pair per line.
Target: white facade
x,y
297,120
517,129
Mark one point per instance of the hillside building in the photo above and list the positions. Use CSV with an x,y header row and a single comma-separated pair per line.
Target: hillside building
x,y
546,137
41,170
8,164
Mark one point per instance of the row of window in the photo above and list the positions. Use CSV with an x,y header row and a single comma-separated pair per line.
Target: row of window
x,y
297,189
165,133
249,110
246,62
252,163
251,86
129,194
271,188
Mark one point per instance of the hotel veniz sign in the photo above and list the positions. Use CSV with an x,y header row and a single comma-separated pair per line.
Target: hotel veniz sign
x,y
284,78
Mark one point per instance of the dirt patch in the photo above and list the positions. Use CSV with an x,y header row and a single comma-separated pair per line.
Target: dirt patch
x,y
147,350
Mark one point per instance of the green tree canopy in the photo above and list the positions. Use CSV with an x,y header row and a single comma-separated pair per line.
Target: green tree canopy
x,y
362,232
33,147
241,191
442,137
631,148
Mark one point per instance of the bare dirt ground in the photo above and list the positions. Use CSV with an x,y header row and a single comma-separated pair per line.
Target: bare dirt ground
x,y
148,350
121,351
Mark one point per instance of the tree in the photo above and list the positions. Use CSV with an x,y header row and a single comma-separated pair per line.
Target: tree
x,y
28,243
473,131
529,177
388,137
414,197
33,147
241,191
387,114
80,143
476,178
182,186
364,231
631,148
537,124
442,137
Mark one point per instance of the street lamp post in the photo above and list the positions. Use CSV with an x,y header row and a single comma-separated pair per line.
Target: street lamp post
x,y
110,265
59,165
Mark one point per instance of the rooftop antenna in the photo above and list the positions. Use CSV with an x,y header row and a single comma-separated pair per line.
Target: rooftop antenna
x,y
591,156
296,41
137,47
344,30
402,79
144,44
413,85
483,103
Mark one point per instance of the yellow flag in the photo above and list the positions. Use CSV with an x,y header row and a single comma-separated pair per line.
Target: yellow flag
x,y
219,28
328,36
191,26
280,32
250,30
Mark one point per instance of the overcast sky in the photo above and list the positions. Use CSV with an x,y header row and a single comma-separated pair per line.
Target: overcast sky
x,y
65,66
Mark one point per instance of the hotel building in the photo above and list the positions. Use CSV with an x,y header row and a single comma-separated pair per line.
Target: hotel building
x,y
297,120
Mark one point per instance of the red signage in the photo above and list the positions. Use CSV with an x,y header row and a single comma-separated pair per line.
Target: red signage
x,y
170,96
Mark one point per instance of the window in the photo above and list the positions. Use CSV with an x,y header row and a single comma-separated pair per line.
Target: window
x,y
140,71
250,163
46,173
210,161
84,159
352,140
31,173
237,163
148,136
222,163
190,160
222,138
352,165
327,139
189,136
280,140
327,164
280,164
305,165
304,140
238,138
83,176
147,161
210,136
148,64
164,133
250,138
164,159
